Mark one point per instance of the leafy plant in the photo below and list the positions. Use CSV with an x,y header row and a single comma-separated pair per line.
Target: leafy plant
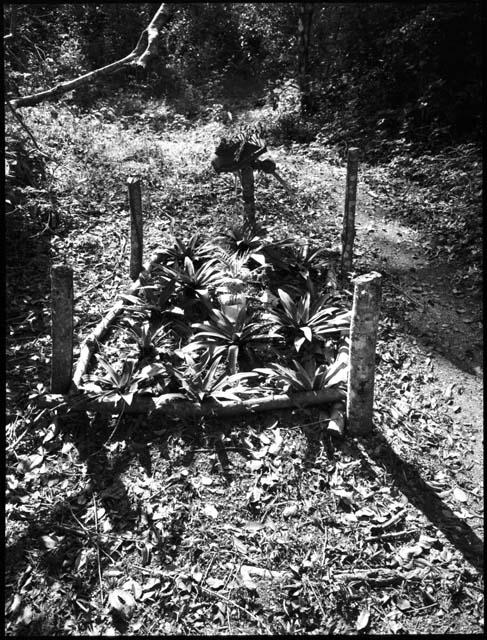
x,y
229,334
299,378
112,385
308,259
151,302
203,382
195,282
196,249
243,243
233,265
147,338
308,319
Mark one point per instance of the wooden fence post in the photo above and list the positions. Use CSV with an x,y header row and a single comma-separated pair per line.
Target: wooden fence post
x,y
61,327
136,239
363,337
248,195
348,233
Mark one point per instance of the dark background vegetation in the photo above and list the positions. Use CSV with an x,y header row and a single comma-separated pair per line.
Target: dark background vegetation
x,y
386,74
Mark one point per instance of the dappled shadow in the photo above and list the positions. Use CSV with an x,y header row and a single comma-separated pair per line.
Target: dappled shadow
x,y
409,481
60,536
422,300
27,270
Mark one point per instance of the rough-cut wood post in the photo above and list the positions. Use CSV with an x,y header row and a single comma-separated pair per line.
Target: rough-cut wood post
x,y
61,327
247,180
136,240
363,337
348,233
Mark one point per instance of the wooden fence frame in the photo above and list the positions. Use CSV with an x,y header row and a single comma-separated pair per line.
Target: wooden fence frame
x,y
361,352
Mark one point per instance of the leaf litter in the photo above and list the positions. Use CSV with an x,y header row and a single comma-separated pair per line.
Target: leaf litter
x,y
306,535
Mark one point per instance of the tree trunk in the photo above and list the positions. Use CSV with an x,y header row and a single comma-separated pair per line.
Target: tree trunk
x,y
363,336
146,47
305,24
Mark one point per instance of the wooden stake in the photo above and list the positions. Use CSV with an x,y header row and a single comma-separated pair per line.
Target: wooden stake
x,y
363,336
248,195
348,233
61,327
136,241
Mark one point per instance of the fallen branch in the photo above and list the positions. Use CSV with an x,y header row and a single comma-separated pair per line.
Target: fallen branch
x,y
281,180
392,520
13,23
145,48
168,406
390,536
379,577
26,129
90,344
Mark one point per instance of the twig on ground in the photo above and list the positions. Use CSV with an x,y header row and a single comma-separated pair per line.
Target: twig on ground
x,y
379,577
14,444
219,596
209,566
390,536
308,582
392,520
427,606
26,129
98,550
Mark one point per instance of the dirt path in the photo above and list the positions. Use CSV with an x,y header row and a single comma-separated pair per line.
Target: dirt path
x,y
437,316
442,318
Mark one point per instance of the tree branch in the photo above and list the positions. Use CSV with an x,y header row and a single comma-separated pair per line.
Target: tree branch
x,y
146,47
13,23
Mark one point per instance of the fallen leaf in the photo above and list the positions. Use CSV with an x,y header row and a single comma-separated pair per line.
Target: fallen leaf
x,y
35,460
215,583
49,543
122,602
403,604
253,526
254,465
363,620
276,445
449,391
27,615
246,579
210,511
15,606
460,495
290,510
239,546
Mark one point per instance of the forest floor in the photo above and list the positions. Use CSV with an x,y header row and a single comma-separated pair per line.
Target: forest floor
x,y
302,534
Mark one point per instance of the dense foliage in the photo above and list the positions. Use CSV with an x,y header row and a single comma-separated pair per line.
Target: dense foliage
x,y
378,72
